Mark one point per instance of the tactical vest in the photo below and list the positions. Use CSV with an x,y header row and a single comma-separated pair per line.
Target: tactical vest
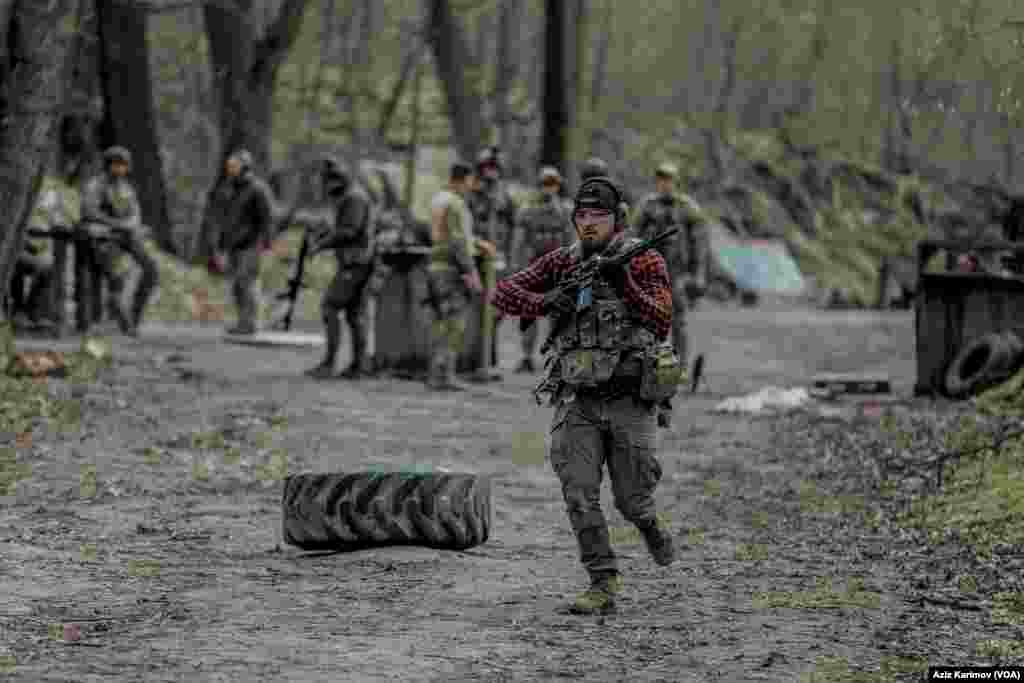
x,y
658,216
118,199
359,250
606,347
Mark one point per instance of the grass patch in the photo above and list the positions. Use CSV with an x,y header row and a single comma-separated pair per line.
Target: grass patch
x,y
712,487
25,403
838,670
12,471
1008,608
982,501
814,501
821,597
751,552
1000,649
276,469
210,440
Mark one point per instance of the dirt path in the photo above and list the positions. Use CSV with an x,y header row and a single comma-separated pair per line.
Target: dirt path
x,y
174,569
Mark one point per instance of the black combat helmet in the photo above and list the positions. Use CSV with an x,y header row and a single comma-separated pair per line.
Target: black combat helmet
x,y
592,168
334,173
117,153
594,194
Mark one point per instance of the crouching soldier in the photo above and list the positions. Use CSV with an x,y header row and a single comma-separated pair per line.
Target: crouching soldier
x,y
604,380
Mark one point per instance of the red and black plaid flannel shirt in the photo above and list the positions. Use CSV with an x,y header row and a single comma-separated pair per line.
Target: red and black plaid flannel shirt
x,y
648,289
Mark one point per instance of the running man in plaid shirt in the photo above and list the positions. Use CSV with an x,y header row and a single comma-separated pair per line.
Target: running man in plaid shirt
x,y
601,381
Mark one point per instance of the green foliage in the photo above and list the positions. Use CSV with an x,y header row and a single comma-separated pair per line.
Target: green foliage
x,y
26,402
982,497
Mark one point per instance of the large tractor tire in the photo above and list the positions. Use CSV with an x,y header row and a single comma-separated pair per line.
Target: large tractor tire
x,y
349,511
983,362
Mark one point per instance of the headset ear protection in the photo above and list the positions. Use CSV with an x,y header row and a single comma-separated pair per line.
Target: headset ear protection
x,y
620,215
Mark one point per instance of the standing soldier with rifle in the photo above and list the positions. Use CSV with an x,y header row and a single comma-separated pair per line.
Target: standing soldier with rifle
x,y
686,256
494,216
348,230
110,210
249,229
454,277
540,229
611,366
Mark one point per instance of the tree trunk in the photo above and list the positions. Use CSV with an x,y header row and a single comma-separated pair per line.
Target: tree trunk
x,y
129,119
725,93
35,81
557,100
245,70
506,67
451,54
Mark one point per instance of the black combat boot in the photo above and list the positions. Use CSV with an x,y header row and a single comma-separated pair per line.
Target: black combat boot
x,y
325,370
600,597
659,543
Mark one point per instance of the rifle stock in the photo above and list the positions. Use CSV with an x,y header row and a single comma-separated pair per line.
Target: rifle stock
x,y
295,283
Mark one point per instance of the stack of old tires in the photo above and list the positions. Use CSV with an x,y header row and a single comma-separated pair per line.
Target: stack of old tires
x,y
349,511
984,362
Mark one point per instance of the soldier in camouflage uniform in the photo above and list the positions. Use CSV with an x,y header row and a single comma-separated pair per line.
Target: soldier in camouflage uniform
x,y
540,229
110,208
453,274
686,255
604,381
494,216
349,232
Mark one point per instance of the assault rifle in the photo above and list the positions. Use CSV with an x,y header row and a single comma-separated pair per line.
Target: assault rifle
x,y
581,279
295,284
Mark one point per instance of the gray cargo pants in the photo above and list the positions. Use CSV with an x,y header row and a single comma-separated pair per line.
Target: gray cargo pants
x,y
680,304
244,269
588,433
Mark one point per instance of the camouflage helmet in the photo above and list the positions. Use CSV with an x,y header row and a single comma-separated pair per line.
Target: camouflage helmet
x,y
592,168
667,170
117,153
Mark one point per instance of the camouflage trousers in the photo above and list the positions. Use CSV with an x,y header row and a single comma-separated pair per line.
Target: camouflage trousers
x,y
489,314
588,433
448,330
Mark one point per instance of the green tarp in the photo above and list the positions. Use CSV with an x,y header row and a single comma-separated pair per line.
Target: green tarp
x,y
758,265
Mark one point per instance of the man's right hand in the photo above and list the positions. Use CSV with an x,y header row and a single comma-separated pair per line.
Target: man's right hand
x,y
559,301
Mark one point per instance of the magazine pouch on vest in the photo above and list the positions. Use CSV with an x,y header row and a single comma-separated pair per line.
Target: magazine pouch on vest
x,y
588,367
662,374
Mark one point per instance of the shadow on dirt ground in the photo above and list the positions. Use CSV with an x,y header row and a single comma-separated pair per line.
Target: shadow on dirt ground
x,y
145,545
